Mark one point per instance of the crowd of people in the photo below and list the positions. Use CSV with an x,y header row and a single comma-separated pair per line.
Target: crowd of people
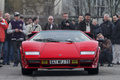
x,y
13,32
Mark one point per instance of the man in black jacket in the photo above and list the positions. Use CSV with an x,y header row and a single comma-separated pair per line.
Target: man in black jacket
x,y
107,27
115,19
116,40
96,28
74,25
7,44
86,24
65,23
50,25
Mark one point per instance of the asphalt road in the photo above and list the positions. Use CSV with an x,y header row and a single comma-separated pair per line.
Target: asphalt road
x,y
14,73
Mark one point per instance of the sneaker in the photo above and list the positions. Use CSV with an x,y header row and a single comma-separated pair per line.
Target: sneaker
x,y
8,63
110,65
15,65
101,65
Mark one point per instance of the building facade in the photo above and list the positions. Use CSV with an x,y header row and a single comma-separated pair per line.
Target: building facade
x,y
2,5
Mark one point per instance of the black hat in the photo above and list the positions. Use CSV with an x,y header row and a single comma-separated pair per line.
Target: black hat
x,y
16,14
87,14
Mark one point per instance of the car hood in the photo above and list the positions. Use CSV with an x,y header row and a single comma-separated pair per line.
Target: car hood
x,y
60,50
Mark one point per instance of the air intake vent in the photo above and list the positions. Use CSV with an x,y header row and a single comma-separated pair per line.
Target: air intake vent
x,y
86,64
34,65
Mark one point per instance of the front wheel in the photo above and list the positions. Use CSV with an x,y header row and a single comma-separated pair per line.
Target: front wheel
x,y
27,71
93,70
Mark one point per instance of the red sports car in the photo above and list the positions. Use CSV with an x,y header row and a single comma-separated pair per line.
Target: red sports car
x,y
60,49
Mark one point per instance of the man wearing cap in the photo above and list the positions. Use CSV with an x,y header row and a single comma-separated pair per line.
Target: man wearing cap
x,y
17,30
3,27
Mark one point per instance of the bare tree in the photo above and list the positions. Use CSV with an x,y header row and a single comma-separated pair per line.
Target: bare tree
x,y
113,6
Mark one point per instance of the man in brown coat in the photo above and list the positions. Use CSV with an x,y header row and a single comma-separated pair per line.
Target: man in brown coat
x,y
106,50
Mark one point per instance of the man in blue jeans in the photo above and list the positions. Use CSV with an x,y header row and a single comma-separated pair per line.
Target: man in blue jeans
x,y
7,43
17,30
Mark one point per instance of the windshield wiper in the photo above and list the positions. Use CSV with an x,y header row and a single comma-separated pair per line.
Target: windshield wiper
x,y
46,40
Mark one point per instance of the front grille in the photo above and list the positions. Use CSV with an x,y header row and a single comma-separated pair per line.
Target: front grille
x,y
34,65
85,64
73,65
46,66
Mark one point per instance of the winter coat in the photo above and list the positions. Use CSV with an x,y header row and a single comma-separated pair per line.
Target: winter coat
x,y
47,26
107,29
82,26
7,36
96,30
74,26
3,27
32,27
116,33
115,23
106,45
17,36
63,25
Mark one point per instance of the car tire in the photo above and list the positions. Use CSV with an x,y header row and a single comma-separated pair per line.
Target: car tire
x,y
27,71
85,69
93,71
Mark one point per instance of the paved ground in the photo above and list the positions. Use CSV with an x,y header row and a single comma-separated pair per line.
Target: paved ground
x,y
14,73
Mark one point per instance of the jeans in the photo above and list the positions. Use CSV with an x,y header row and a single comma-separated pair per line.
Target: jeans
x,y
16,49
6,52
1,46
11,52
116,53
106,55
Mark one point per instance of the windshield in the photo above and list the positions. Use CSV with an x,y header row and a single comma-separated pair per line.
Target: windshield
x,y
60,36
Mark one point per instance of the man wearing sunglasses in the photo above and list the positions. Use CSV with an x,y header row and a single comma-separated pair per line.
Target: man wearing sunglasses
x,y
50,25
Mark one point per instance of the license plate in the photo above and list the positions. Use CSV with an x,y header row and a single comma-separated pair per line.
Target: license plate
x,y
59,61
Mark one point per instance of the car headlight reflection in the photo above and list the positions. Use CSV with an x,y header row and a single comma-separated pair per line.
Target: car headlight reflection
x,y
32,53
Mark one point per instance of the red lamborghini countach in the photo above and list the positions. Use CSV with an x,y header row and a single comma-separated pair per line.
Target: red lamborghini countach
x,y
60,49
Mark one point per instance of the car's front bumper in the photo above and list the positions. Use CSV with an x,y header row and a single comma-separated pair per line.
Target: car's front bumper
x,y
37,63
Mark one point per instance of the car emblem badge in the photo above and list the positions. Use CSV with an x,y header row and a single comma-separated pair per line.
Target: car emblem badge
x,y
59,54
